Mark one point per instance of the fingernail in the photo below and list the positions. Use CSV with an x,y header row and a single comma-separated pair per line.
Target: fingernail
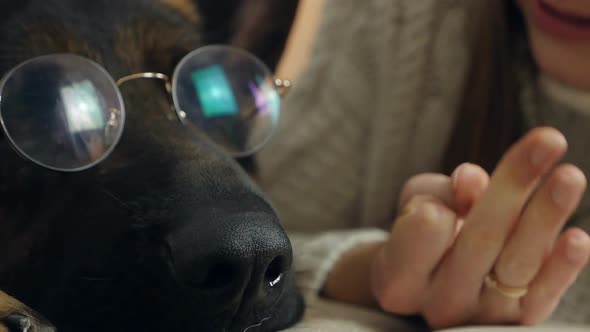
x,y
410,208
543,150
468,172
539,156
577,250
563,192
458,173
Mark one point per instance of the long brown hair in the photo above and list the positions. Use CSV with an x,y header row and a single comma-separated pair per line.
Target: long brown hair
x,y
489,118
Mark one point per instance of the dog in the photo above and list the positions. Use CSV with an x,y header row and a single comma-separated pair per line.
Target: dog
x,y
169,233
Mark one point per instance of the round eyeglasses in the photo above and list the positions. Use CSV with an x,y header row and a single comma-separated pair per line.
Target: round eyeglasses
x,y
66,113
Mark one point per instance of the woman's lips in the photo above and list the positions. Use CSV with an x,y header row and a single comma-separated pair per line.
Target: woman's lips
x,y
560,24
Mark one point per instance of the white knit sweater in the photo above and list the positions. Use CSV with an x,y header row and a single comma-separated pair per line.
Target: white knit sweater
x,y
375,106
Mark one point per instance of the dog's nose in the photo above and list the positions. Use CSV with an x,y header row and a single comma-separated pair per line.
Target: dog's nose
x,y
232,260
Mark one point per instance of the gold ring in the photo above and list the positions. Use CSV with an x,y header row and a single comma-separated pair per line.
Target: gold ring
x,y
507,291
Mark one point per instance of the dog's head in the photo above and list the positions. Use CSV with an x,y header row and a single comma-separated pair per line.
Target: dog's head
x,y
168,233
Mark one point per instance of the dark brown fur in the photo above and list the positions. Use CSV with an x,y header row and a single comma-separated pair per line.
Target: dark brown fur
x,y
88,250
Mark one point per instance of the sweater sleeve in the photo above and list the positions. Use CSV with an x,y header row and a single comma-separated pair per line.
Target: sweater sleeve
x,y
316,254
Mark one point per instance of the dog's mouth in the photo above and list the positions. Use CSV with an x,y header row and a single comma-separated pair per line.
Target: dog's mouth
x,y
18,323
265,320
270,321
25,321
257,325
281,317
22,323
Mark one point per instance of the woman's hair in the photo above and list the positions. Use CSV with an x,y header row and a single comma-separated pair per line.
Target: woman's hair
x,y
489,118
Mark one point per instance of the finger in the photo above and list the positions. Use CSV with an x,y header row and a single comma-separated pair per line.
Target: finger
x,y
493,216
558,273
419,239
490,220
469,183
458,191
434,185
539,226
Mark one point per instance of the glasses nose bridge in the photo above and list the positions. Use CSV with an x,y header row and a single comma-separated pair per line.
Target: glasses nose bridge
x,y
157,76
147,75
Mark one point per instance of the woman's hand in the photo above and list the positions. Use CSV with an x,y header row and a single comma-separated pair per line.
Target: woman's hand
x,y
435,264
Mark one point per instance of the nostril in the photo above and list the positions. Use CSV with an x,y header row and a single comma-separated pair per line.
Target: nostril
x,y
275,272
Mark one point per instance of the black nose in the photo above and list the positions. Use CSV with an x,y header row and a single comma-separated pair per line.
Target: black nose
x,y
232,260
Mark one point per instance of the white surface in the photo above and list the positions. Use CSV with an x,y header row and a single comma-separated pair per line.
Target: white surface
x,y
327,316
522,329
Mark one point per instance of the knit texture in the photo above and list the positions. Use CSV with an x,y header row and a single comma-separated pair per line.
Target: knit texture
x,y
375,106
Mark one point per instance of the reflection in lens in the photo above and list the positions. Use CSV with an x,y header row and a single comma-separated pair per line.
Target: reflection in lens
x,y
228,94
61,111
214,92
82,107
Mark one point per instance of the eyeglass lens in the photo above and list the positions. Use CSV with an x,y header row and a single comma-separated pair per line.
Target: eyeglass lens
x,y
66,113
63,112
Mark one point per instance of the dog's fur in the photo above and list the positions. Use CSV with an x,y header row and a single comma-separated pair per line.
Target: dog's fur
x,y
99,250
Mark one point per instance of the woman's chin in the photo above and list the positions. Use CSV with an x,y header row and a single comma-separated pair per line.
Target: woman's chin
x,y
563,61
557,53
